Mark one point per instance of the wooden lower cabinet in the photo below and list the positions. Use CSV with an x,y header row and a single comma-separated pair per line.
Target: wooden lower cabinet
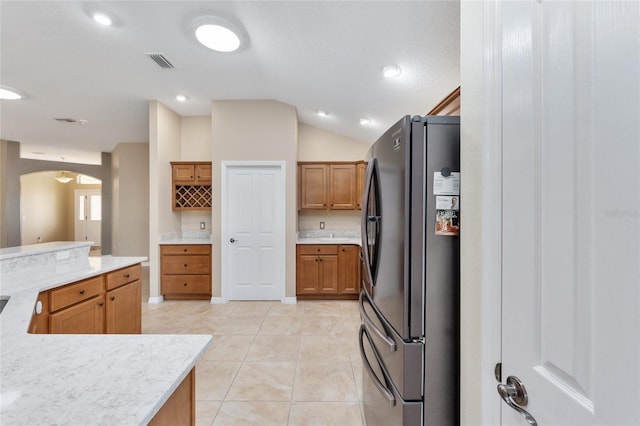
x,y
123,309
107,303
180,408
327,271
185,271
83,318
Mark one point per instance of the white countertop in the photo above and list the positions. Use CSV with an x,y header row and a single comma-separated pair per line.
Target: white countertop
x,y
183,240
327,240
83,379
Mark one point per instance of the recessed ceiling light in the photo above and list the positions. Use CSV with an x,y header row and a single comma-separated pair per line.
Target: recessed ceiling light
x,y
181,98
322,113
10,94
365,121
391,71
102,19
217,34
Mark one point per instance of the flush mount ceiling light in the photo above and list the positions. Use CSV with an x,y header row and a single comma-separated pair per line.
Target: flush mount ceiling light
x,y
365,121
218,34
102,19
322,113
181,98
391,71
10,94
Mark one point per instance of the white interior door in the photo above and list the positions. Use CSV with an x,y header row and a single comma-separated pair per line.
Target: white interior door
x,y
255,232
571,210
88,215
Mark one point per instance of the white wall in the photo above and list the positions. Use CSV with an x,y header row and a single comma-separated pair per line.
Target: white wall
x,y
270,135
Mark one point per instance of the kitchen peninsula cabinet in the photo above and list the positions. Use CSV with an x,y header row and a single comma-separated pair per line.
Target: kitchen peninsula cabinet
x,y
123,301
185,271
327,271
191,185
107,303
327,186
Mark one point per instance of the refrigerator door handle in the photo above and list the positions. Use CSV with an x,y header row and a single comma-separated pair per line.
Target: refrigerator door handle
x,y
386,338
366,219
367,366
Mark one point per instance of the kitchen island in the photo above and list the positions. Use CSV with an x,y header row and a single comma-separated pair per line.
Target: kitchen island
x,y
80,379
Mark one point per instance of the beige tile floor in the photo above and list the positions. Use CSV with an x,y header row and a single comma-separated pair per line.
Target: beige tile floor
x,y
269,363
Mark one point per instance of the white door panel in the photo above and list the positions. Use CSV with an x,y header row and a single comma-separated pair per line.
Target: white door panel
x,y
88,215
571,210
255,223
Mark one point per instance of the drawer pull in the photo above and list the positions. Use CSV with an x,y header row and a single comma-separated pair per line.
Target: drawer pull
x,y
127,275
185,265
81,291
185,250
185,284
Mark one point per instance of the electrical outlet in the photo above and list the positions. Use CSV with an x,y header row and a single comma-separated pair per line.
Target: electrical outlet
x,y
202,225
321,225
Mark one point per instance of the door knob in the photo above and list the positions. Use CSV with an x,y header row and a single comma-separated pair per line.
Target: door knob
x,y
231,240
515,395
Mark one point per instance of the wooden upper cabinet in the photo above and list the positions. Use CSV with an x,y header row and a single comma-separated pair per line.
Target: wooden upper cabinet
x,y
342,186
450,105
361,168
327,186
191,185
313,186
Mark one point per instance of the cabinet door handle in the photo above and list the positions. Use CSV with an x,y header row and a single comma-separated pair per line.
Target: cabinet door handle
x,y
113,298
81,291
101,304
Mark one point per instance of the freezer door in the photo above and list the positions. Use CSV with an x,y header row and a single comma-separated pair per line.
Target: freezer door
x,y
402,361
381,402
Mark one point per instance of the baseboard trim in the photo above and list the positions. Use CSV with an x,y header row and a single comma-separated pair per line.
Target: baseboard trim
x,y
289,301
218,300
155,300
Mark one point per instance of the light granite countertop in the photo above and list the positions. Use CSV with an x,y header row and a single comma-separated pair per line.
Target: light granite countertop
x,y
81,379
186,237
329,237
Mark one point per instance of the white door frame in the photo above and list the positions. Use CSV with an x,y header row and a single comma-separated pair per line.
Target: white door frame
x,y
491,288
224,232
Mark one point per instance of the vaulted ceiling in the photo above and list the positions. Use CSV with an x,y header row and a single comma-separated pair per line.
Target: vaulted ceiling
x,y
314,55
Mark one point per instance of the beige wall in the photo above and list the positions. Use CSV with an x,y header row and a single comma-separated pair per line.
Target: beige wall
x,y
315,144
271,134
43,208
164,146
195,145
130,202
320,145
3,191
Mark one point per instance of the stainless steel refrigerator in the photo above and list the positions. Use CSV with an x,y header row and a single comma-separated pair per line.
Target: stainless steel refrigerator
x,y
409,302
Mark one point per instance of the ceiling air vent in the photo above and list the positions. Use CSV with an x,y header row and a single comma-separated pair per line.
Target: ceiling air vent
x,y
159,59
70,120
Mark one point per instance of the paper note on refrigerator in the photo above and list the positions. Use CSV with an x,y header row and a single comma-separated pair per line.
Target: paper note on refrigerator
x,y
449,185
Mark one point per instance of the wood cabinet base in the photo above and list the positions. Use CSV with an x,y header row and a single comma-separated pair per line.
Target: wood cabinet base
x,y
180,408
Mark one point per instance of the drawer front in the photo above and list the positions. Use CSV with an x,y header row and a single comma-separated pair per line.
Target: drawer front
x,y
186,265
124,276
74,293
317,249
186,249
186,284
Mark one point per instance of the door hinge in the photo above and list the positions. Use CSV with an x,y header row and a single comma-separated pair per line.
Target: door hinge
x,y
497,372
